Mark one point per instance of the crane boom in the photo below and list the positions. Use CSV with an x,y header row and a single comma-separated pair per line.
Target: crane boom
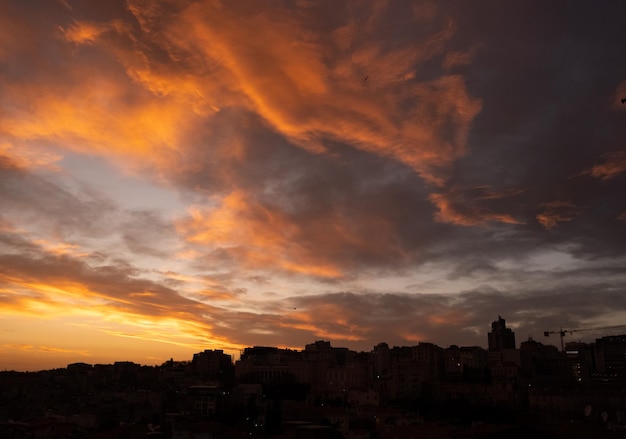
x,y
562,332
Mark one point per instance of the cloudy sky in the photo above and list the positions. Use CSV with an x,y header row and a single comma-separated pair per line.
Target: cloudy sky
x,y
186,175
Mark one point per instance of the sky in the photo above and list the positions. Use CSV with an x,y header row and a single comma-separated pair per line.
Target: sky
x,y
185,175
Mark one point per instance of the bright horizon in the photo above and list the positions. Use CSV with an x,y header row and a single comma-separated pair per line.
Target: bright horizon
x,y
187,175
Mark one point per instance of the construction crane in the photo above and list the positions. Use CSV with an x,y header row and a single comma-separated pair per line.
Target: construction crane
x,y
562,332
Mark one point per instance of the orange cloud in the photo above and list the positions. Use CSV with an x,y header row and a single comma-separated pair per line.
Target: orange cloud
x,y
111,301
88,118
328,321
97,108
83,32
614,164
309,88
10,348
620,93
555,212
27,157
116,301
145,317
454,59
463,208
254,234
412,336
263,236
72,352
153,86
60,248
449,318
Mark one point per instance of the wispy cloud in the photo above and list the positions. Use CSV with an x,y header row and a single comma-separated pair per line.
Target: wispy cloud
x,y
468,207
556,212
613,165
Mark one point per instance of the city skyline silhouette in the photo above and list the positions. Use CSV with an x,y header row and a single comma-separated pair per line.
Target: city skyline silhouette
x,y
188,175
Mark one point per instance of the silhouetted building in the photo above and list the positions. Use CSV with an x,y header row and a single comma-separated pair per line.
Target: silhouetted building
x,y
334,371
610,358
500,336
264,365
579,359
381,360
542,364
411,367
203,400
466,362
213,365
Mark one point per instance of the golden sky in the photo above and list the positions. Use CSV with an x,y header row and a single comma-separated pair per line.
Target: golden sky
x,y
185,175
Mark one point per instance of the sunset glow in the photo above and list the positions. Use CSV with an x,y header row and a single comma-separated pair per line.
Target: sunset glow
x,y
185,175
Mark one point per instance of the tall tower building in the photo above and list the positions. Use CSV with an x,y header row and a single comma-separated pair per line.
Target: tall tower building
x,y
500,336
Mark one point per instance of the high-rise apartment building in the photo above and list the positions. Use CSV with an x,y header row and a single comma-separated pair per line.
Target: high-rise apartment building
x,y
500,336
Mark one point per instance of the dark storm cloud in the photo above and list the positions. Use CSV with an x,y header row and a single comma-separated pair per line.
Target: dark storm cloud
x,y
549,124
547,83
